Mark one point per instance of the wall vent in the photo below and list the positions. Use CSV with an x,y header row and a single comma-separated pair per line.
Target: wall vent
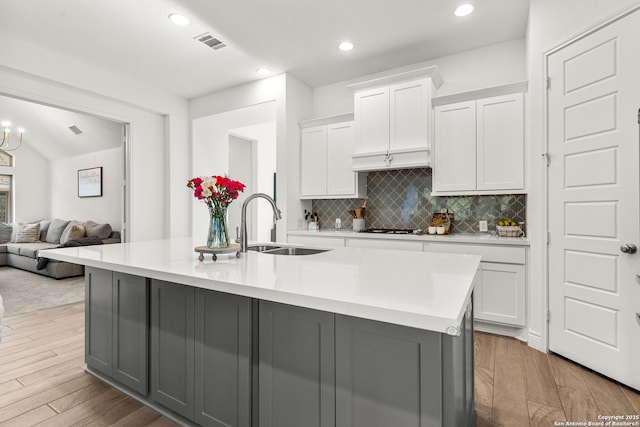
x,y
75,129
209,40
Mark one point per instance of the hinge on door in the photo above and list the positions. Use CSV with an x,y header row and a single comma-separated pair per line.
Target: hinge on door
x,y
548,238
548,82
546,158
639,116
548,315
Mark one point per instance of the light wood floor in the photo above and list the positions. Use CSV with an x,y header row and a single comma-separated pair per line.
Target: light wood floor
x,y
42,381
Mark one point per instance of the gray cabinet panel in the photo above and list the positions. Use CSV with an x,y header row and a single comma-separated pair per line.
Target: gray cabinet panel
x,y
130,318
172,346
98,320
222,359
296,367
387,375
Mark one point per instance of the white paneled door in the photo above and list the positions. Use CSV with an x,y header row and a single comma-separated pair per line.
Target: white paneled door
x,y
593,191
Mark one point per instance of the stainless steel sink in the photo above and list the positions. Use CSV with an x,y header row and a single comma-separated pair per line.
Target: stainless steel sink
x,y
283,250
296,251
263,248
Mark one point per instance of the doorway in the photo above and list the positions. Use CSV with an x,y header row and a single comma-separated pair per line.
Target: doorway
x,y
593,199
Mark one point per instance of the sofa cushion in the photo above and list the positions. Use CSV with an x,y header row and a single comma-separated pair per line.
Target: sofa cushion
x,y
56,228
27,233
6,230
3,249
93,229
44,227
31,250
14,248
73,231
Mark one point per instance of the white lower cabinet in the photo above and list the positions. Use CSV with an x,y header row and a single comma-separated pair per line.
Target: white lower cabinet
x,y
385,244
499,294
316,241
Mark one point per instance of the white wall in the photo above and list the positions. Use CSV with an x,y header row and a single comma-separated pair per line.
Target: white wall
x,y
31,185
551,23
210,135
293,102
264,136
159,149
488,66
63,188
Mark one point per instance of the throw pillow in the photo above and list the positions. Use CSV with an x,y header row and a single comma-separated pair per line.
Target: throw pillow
x,y
6,230
27,233
56,228
93,229
74,230
44,227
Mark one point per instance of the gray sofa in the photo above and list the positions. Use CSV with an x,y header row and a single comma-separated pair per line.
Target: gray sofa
x,y
22,252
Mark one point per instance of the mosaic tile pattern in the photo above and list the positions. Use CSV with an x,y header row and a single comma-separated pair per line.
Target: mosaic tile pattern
x,y
402,199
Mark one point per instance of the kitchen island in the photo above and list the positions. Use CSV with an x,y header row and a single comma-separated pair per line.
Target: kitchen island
x,y
347,337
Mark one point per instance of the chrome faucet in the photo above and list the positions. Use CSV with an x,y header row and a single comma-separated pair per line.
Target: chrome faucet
x,y
243,220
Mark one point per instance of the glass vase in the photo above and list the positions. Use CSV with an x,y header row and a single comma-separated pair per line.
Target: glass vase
x,y
218,236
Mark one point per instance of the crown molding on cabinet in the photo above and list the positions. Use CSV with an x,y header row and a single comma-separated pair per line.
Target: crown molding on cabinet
x,y
431,72
327,120
480,93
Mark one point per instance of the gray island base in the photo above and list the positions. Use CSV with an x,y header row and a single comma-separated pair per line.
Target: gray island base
x,y
345,338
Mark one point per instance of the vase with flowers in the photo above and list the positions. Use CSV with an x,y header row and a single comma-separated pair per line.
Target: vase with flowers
x,y
217,192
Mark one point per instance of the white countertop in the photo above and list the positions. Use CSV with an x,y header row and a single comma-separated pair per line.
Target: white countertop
x,y
418,289
474,238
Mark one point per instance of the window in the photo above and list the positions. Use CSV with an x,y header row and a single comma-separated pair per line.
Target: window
x,y
5,198
6,159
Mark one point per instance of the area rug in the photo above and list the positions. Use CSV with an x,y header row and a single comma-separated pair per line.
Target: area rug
x,y
23,291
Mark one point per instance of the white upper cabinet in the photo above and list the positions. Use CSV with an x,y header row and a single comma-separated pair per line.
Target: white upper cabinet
x,y
501,142
325,162
392,121
313,161
454,163
479,145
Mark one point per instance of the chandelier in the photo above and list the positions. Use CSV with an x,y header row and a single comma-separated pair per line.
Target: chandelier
x,y
5,145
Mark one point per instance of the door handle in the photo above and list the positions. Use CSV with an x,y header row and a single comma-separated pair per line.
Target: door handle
x,y
628,248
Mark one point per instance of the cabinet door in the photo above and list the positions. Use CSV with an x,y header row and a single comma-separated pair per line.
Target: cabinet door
x,y
172,346
387,375
500,138
341,180
130,340
499,295
313,161
98,320
371,110
454,167
223,359
410,106
296,367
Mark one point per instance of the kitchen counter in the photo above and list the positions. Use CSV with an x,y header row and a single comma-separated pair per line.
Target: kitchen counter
x,y
424,290
239,339
478,238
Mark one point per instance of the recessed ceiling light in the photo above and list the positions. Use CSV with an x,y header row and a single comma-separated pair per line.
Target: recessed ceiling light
x,y
464,9
345,46
263,71
178,19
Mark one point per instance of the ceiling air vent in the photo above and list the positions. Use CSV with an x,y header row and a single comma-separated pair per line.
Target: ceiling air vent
x,y
75,129
210,41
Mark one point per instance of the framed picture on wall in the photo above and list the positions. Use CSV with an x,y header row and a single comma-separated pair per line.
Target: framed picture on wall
x,y
90,182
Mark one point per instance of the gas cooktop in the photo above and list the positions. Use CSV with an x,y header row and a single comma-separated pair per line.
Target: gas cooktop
x,y
390,230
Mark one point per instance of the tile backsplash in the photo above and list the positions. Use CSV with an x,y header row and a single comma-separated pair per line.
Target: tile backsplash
x,y
402,199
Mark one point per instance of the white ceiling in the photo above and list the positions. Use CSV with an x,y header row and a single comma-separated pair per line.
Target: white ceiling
x,y
47,129
136,38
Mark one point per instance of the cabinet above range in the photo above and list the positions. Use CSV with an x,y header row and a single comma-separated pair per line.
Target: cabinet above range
x,y
393,120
